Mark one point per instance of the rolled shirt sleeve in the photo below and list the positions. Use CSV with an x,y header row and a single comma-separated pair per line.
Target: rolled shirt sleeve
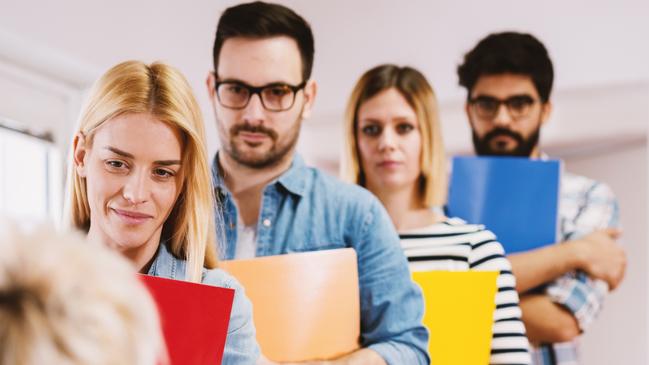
x,y
391,303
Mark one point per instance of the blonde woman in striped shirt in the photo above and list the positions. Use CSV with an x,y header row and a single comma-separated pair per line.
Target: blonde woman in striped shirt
x,y
394,148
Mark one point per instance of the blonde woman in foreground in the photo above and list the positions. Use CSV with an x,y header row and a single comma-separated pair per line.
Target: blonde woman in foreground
x,y
66,301
140,183
394,149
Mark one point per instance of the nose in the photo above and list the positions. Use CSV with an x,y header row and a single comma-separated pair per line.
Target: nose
x,y
387,140
502,118
137,189
254,113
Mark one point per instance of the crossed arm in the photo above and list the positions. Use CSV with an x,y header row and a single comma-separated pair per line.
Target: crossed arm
x,y
597,254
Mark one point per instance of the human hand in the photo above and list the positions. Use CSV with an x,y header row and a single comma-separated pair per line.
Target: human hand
x,y
600,256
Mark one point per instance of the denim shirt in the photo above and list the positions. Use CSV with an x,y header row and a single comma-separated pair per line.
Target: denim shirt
x,y
241,346
306,210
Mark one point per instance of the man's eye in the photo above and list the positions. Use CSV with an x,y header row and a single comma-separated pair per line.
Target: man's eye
x,y
487,104
371,130
236,89
518,103
278,91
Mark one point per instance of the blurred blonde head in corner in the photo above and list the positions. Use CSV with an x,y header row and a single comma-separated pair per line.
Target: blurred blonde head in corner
x,y
67,301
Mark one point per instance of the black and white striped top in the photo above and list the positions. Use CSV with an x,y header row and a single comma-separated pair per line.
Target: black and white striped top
x,y
453,245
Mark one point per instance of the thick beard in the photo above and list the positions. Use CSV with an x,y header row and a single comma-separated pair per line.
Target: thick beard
x,y
274,156
524,146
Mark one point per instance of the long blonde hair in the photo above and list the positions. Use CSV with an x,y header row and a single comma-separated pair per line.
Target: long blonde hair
x,y
421,98
161,90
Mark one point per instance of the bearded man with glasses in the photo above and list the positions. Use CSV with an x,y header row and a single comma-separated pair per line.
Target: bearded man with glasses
x,y
272,203
508,77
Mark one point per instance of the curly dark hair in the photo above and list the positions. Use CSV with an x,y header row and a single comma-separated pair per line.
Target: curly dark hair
x,y
508,52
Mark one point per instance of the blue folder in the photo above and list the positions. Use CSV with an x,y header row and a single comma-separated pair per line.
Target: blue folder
x,y
516,198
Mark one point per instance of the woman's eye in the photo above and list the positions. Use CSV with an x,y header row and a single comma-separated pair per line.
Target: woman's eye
x,y
404,128
163,173
115,164
371,130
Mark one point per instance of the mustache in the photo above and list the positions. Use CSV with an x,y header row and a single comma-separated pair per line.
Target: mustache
x,y
246,127
499,131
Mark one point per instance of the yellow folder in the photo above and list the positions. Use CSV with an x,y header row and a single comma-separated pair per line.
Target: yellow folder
x,y
459,312
305,305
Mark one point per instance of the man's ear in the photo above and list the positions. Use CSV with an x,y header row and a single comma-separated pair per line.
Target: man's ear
x,y
546,110
467,110
79,153
210,82
310,91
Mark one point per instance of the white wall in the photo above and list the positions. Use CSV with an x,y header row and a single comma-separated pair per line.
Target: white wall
x,y
620,335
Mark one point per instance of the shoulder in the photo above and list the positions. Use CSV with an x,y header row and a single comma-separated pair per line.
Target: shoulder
x,y
218,277
321,180
477,232
575,186
343,198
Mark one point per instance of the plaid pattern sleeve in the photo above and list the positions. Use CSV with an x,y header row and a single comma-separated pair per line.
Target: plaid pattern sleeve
x,y
586,206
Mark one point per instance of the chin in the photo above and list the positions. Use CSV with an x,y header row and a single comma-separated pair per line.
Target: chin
x,y
127,239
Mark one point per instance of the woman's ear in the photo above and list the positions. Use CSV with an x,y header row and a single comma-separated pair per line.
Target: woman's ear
x,y
79,153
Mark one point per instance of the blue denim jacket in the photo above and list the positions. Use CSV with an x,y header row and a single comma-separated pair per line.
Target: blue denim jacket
x,y
306,210
241,346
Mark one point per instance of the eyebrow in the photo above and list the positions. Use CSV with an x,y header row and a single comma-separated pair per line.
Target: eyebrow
x,y
273,83
117,151
509,97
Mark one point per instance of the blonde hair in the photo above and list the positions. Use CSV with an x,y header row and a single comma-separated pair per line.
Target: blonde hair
x,y
67,301
161,90
420,96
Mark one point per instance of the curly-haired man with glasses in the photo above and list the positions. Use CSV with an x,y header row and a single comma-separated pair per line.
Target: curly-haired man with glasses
x,y
508,77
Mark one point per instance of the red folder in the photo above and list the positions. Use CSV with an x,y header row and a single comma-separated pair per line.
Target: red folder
x,y
194,319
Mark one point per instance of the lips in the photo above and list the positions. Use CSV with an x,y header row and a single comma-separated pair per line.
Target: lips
x,y
253,137
130,217
389,164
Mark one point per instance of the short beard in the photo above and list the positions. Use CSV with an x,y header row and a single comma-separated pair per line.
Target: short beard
x,y
275,155
524,146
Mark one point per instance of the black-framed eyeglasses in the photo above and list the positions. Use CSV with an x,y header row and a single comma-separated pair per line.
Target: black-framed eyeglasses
x,y
518,106
275,97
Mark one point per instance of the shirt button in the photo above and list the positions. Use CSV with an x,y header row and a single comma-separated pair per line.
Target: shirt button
x,y
266,222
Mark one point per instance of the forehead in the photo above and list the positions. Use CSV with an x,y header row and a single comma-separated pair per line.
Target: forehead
x,y
142,135
387,104
260,61
503,86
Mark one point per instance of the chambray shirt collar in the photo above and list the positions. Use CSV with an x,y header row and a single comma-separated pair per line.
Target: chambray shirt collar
x,y
167,265
293,179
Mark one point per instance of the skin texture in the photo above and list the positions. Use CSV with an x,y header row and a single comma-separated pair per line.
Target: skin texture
x,y
131,165
597,254
502,87
389,145
249,136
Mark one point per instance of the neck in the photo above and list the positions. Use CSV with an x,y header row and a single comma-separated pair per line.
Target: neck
x,y
405,207
141,256
247,184
240,178
535,153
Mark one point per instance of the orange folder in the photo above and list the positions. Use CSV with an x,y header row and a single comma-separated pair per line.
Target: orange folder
x,y
459,314
194,319
305,305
